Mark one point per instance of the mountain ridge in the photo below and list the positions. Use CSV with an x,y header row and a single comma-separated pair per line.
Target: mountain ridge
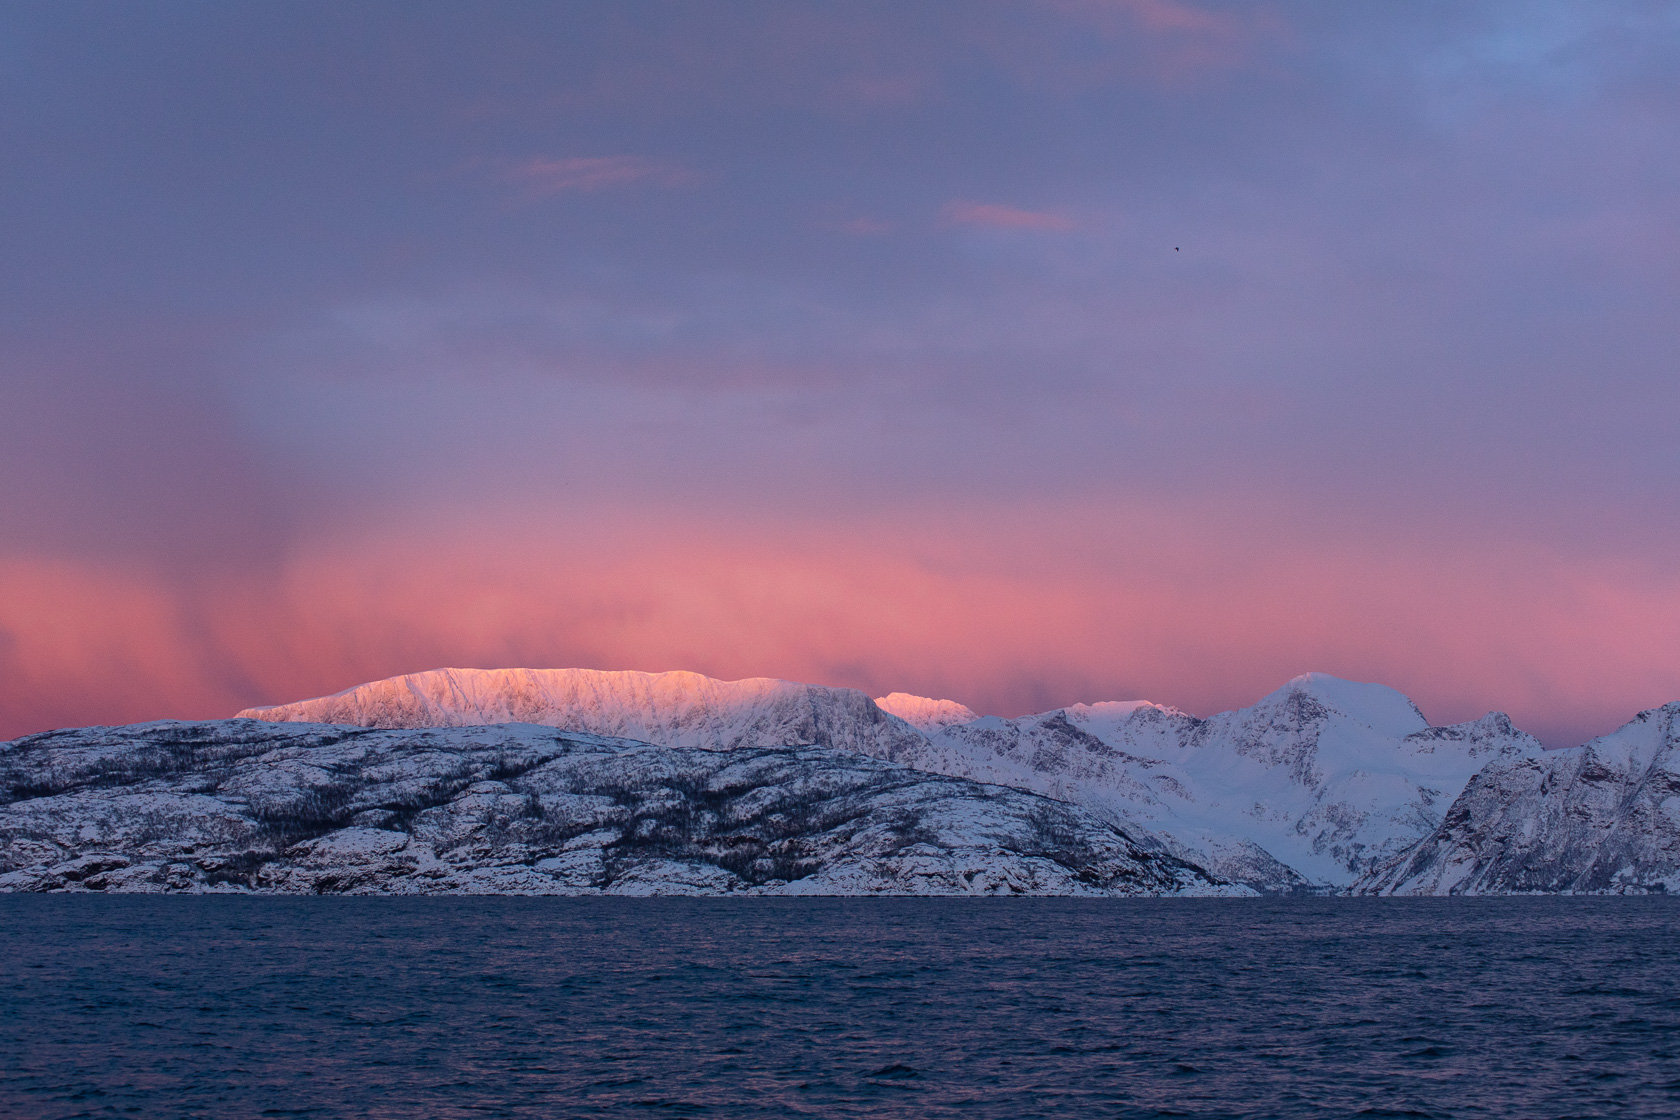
x,y
1600,818
1306,789
1322,786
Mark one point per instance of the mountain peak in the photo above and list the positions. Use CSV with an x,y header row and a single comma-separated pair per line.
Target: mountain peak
x,y
924,713
456,697
1376,705
670,709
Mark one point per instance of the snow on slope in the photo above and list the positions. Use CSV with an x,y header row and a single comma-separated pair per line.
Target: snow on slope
x,y
517,809
1307,789
1310,787
672,709
1604,817
924,714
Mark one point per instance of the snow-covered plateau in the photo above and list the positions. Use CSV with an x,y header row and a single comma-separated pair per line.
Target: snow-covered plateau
x,y
768,786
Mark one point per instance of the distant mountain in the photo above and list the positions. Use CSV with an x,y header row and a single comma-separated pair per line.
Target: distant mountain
x,y
1603,818
670,709
1306,790
517,809
924,714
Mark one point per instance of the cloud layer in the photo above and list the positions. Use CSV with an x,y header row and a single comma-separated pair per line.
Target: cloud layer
x,y
1021,354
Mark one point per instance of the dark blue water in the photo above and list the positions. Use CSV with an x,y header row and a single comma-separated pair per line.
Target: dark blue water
x,y
230,1007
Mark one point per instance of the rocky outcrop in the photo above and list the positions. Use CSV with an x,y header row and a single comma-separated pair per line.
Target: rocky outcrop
x,y
242,805
1602,818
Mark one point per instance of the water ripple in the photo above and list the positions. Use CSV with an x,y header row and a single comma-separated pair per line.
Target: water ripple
x,y
456,1007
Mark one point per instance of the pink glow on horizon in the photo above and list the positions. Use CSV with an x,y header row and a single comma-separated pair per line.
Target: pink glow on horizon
x,y
1005,628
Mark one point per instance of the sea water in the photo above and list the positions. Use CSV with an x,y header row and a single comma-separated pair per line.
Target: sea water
x,y
507,1007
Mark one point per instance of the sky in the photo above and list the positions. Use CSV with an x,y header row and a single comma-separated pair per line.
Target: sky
x,y
1017,353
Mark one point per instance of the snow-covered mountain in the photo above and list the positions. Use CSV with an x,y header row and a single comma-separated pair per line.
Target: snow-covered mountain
x,y
1604,817
924,714
1326,784
1307,789
670,709
1310,787
517,809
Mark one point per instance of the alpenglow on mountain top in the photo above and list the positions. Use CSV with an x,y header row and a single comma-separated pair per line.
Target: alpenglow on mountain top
x,y
1324,786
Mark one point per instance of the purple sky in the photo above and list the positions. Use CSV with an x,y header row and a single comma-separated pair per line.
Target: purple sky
x,y
1020,353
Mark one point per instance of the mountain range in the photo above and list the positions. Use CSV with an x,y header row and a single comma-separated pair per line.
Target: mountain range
x,y
1323,786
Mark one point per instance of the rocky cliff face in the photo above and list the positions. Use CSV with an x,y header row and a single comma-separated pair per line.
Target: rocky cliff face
x,y
1604,817
299,808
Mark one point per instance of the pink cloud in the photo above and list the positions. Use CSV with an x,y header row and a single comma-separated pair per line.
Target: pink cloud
x,y
1164,15
592,173
1173,41
1160,16
92,644
994,216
